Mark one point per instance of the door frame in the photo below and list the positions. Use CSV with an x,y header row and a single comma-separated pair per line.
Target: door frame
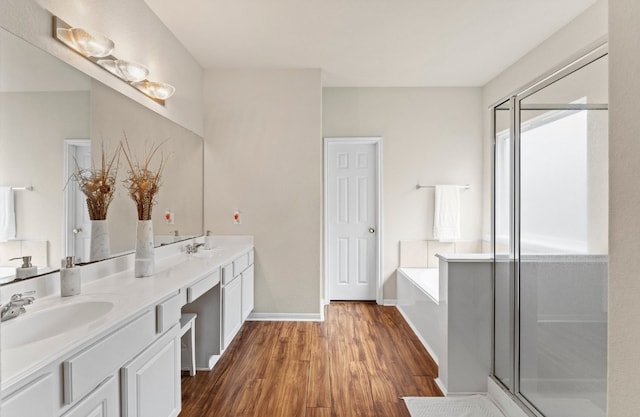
x,y
355,140
68,200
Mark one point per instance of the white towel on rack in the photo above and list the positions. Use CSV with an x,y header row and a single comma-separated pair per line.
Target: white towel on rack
x,y
7,214
446,218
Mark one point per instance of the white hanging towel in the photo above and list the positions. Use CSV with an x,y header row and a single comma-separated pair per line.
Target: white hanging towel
x,y
446,217
7,214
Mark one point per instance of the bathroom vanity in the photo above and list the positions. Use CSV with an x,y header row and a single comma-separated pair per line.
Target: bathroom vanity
x,y
114,350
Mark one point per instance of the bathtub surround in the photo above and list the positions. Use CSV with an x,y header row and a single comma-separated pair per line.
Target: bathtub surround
x,y
450,310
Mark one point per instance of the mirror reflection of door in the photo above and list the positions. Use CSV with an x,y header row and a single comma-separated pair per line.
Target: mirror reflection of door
x,y
78,224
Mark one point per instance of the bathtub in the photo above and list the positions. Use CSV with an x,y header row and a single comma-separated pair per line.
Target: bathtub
x,y
449,309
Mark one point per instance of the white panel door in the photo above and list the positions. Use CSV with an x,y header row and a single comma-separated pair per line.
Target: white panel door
x,y
352,204
78,224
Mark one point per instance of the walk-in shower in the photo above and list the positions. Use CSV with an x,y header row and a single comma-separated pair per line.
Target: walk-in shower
x,y
550,215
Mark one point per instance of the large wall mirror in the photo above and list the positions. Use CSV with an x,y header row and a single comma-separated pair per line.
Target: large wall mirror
x,y
54,118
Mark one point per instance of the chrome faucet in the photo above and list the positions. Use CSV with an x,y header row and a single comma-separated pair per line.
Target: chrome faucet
x,y
193,248
15,306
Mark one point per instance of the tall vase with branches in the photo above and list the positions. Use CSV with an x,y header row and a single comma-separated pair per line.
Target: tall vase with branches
x,y
143,184
98,184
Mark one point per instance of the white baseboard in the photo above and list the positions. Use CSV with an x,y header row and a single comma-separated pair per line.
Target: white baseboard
x,y
424,342
285,317
440,385
389,302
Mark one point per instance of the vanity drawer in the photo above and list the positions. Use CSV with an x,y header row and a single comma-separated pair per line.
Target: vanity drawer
x,y
240,264
227,274
168,313
84,371
202,286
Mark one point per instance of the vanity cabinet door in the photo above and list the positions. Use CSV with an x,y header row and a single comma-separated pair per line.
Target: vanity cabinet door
x,y
35,400
103,402
151,382
247,292
231,310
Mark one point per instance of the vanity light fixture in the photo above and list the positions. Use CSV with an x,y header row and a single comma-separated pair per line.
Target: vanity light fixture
x,y
129,71
160,91
94,45
97,48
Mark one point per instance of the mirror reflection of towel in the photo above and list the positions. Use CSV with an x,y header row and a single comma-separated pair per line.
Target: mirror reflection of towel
x,y
7,214
446,217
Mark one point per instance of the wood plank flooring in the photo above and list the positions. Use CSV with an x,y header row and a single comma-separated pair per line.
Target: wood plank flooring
x,y
358,362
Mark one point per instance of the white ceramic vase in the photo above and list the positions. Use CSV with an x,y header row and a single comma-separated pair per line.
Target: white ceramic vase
x,y
144,260
99,240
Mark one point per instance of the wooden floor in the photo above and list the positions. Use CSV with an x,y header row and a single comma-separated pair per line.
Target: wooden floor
x,y
359,362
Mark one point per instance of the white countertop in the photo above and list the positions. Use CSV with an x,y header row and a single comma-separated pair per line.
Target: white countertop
x,y
130,295
466,257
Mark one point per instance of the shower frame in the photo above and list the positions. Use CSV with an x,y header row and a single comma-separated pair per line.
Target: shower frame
x,y
588,55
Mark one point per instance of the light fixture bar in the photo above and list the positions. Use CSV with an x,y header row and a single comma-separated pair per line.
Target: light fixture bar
x,y
97,48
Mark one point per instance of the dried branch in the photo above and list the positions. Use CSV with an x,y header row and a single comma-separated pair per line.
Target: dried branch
x,y
98,184
142,182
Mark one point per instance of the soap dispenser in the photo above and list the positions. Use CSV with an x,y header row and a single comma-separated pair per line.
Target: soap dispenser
x,y
208,241
70,278
26,270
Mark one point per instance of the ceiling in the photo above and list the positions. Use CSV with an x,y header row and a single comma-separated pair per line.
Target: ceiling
x,y
378,43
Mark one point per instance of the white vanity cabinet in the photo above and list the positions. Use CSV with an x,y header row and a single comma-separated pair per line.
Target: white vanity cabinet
x,y
237,295
133,370
36,399
247,292
103,402
151,382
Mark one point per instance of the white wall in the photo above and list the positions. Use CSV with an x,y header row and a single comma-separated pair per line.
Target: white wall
x,y
583,31
263,156
430,136
139,36
624,204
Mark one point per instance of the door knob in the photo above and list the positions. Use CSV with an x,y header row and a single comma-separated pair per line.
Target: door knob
x,y
76,230
372,230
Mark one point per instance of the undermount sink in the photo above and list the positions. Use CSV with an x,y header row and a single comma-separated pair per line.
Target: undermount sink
x,y
44,324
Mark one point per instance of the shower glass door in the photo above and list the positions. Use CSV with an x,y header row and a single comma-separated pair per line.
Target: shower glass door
x,y
503,243
551,284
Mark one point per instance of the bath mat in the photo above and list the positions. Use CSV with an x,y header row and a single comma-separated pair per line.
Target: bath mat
x,y
471,406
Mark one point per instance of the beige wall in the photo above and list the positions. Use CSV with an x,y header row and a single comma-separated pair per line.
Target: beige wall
x,y
139,36
37,159
263,156
430,136
624,205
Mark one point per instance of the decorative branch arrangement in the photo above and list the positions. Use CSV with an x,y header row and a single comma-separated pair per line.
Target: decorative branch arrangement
x,y
99,184
142,182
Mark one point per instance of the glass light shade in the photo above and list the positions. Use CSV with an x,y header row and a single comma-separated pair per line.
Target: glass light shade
x,y
65,36
161,91
91,44
110,65
131,71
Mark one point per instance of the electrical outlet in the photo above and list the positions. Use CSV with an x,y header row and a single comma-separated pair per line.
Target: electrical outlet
x,y
236,217
168,216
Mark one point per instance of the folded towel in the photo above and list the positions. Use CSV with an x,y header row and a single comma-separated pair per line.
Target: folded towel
x,y
446,218
7,214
